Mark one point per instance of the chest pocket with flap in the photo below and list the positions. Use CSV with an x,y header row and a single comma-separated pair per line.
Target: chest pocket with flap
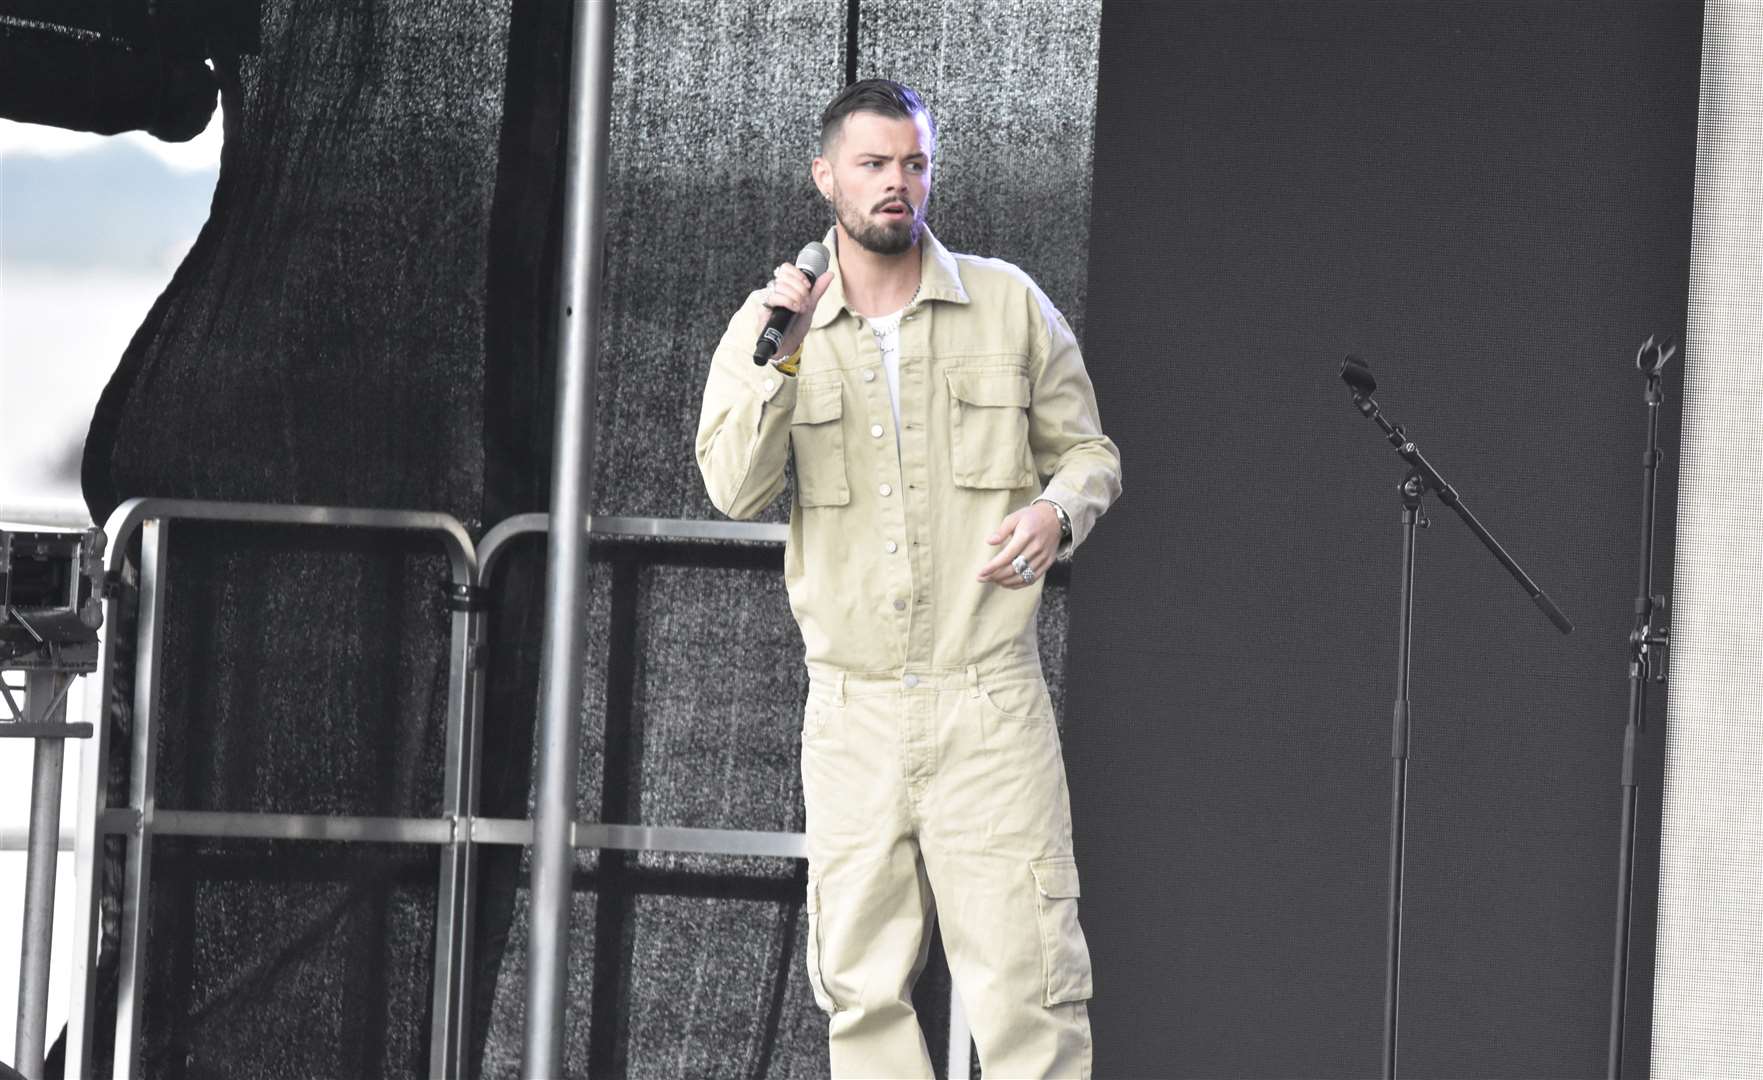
x,y
817,441
988,428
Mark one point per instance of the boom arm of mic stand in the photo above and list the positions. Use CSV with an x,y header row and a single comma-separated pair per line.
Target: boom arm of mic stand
x,y
1447,494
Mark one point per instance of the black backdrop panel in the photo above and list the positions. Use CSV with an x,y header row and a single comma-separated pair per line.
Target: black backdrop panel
x,y
1490,202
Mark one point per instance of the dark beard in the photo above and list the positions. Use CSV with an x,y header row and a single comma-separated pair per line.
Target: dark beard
x,y
882,239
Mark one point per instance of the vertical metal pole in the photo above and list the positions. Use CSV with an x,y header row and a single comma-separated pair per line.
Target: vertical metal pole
x,y
452,911
1624,891
41,689
94,796
468,880
560,678
1640,670
143,767
1392,990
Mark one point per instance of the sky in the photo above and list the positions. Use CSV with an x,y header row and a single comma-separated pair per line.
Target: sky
x,y
91,229
201,154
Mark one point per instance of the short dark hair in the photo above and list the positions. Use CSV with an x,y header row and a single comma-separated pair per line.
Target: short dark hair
x,y
884,96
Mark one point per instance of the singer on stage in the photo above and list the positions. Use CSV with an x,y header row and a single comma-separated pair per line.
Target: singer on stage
x,y
946,448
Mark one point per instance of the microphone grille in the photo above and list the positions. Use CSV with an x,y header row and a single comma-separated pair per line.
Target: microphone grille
x,y
814,259
1356,373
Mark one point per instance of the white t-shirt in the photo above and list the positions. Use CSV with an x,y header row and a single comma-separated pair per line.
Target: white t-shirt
x,y
887,339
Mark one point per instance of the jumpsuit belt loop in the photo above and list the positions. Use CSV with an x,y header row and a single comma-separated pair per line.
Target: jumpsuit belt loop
x,y
973,680
839,689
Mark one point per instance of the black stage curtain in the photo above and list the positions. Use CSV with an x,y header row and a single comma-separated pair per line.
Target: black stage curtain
x,y
1491,202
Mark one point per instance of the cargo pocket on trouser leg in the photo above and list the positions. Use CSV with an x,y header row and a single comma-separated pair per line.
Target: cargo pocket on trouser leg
x,y
815,980
1065,956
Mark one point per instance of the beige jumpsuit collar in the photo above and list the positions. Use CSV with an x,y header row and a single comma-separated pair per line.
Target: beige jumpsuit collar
x,y
939,279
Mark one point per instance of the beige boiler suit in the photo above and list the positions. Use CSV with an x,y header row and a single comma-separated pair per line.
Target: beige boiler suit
x,y
931,766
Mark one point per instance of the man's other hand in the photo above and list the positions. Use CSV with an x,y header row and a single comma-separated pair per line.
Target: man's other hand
x,y
789,288
1033,533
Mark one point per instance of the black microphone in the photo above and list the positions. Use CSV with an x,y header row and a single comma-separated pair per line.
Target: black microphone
x,y
813,261
1356,373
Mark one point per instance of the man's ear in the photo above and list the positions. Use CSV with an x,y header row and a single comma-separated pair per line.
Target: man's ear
x,y
822,171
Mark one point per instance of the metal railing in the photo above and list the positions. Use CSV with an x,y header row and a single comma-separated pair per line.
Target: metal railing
x,y
457,831
140,820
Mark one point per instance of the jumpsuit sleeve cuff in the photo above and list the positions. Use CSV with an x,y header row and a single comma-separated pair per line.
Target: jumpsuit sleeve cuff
x,y
770,385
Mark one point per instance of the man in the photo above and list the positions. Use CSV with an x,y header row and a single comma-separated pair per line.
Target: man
x,y
924,397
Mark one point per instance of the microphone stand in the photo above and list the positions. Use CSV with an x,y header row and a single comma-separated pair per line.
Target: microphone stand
x,y
1420,479
1649,644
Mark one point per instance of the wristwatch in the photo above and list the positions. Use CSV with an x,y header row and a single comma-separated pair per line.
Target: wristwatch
x,y
1064,520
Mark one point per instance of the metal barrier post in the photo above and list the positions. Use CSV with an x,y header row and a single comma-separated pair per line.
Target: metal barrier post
x,y
94,797
456,900
143,766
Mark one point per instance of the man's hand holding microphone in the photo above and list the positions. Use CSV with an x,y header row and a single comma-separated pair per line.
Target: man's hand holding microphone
x,y
794,290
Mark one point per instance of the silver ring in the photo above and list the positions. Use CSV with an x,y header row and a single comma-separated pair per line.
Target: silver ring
x,y
1023,570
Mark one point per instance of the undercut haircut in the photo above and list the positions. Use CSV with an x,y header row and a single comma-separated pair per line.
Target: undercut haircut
x,y
882,96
